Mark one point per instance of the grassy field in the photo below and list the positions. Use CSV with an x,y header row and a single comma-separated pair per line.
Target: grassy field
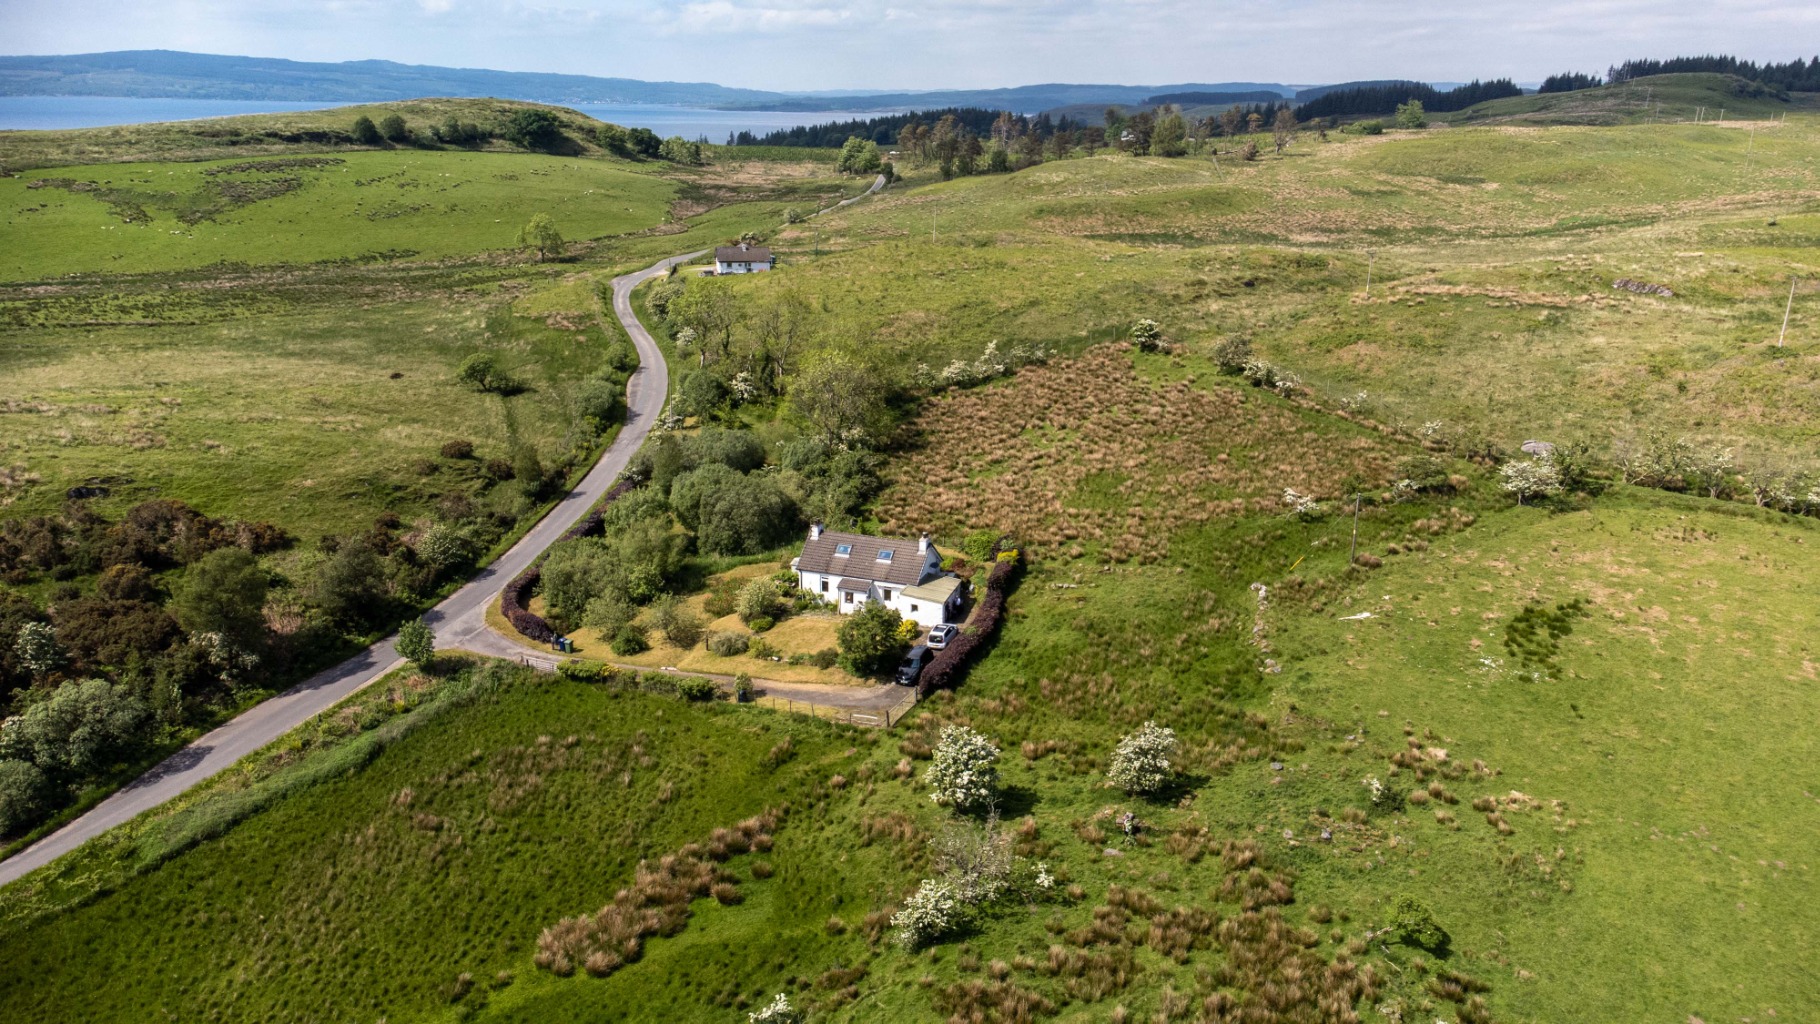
x,y
1587,722
134,218
1493,254
1641,101
292,133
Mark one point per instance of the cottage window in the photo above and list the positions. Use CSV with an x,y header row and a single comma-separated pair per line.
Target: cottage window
x,y
824,584
913,609
887,594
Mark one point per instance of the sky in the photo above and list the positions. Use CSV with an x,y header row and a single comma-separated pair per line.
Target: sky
x,y
929,44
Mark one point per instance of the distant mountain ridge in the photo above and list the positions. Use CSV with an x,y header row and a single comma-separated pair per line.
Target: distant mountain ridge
x,y
175,74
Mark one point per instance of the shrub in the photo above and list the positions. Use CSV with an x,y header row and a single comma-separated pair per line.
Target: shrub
x,y
417,643
349,585
1147,335
481,372
943,671
458,449
869,640
777,1011
827,657
964,771
1415,925
727,644
696,688
608,614
1140,764
512,600
1231,353
223,593
394,129
83,727
680,626
365,132
1530,478
630,640
759,599
762,623
22,796
37,649
1371,127
931,912
742,692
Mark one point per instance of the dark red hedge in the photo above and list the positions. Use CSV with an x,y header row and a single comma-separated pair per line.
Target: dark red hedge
x,y
513,600
944,670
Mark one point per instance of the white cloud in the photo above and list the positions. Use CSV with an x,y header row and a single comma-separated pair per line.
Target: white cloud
x,y
724,16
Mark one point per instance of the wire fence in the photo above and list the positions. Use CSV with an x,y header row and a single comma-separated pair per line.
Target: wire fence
x,y
868,717
872,718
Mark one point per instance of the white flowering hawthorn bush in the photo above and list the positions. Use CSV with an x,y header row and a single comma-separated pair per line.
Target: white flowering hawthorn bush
x,y
931,912
1141,762
964,771
778,1011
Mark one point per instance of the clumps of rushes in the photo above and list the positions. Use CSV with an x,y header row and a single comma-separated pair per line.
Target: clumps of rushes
x,y
1250,880
655,904
1090,975
975,1000
1272,965
1156,445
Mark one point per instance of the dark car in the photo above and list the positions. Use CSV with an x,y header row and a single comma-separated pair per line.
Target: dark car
x,y
912,665
940,635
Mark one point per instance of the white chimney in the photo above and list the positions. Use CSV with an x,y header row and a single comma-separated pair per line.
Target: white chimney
x,y
922,544
815,531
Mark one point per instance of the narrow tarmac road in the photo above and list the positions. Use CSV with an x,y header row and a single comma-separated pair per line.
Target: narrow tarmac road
x,y
459,621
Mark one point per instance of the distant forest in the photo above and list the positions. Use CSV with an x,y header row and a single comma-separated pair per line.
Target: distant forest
x,y
1384,99
1357,99
1795,76
886,129
1211,99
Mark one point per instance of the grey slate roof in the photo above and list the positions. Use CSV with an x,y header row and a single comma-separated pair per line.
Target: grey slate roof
x,y
905,568
742,254
858,586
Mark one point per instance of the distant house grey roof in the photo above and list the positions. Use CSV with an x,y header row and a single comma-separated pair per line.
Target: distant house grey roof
x,y
742,254
861,562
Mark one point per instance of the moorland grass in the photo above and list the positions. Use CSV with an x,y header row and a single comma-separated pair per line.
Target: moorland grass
x,y
132,218
1494,250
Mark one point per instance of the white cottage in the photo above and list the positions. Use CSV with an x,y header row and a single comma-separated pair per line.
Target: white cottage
x,y
741,259
851,569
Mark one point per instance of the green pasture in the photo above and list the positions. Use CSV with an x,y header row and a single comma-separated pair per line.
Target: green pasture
x,y
137,218
1676,728
313,413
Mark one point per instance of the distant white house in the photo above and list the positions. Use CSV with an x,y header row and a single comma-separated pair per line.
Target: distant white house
x,y
741,259
851,569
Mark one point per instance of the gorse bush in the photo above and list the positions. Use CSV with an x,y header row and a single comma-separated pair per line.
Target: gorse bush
x,y
1141,762
964,772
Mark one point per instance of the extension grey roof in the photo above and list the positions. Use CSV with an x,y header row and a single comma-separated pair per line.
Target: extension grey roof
x,y
742,253
856,585
904,569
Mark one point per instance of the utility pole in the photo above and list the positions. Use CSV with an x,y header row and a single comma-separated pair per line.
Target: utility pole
x,y
1354,553
1786,310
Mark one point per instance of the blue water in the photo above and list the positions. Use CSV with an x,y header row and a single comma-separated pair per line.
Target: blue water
x,y
96,111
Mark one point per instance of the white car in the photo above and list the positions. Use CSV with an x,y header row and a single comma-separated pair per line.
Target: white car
x,y
940,635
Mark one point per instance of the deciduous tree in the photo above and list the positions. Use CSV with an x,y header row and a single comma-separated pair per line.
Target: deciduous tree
x,y
541,236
